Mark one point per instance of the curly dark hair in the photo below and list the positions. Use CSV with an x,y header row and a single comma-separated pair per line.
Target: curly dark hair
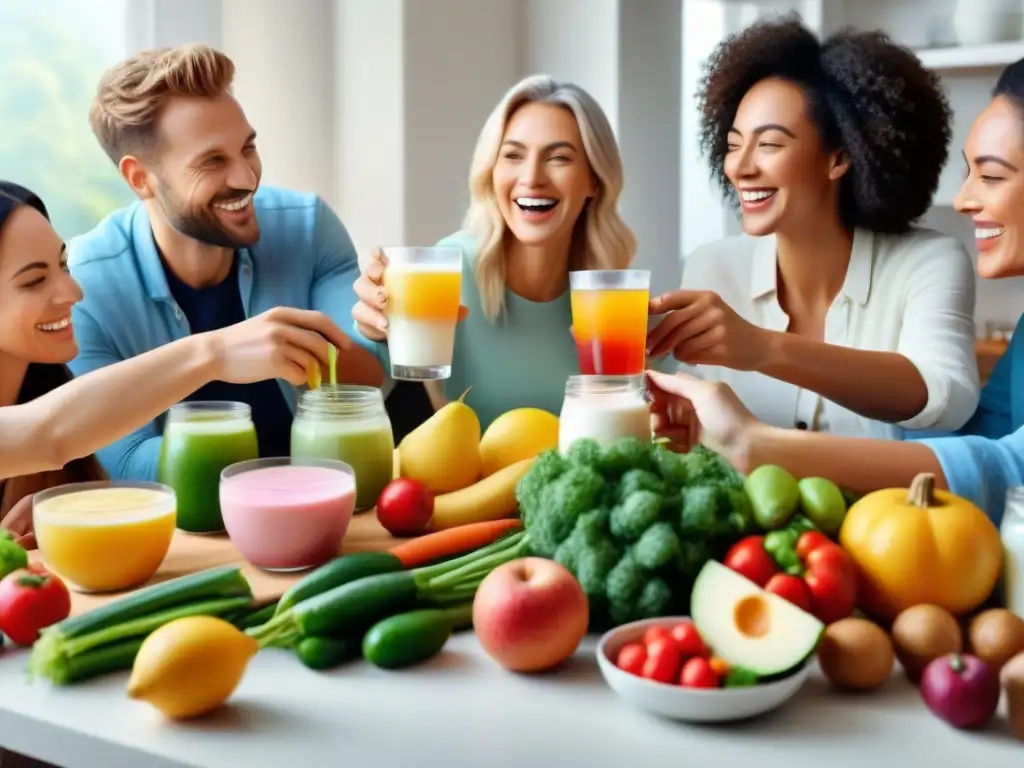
x,y
868,96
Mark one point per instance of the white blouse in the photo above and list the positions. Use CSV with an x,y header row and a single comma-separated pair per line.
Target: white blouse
x,y
912,294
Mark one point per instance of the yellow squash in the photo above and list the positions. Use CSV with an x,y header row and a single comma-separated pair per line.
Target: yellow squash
x,y
492,498
190,666
921,546
519,434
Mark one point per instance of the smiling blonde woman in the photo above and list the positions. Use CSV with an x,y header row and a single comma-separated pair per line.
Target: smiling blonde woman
x,y
544,183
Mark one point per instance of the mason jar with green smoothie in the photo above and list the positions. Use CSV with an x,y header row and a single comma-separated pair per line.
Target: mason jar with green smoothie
x,y
348,423
202,438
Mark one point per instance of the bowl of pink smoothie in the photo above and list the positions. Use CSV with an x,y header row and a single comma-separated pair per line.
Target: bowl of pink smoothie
x,y
287,514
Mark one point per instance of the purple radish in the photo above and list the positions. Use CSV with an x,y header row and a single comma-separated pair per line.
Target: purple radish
x,y
961,689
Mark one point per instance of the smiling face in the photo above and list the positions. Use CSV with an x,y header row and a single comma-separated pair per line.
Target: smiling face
x,y
776,160
993,193
206,171
36,291
542,178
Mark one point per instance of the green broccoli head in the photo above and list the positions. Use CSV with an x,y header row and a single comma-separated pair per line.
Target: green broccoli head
x,y
673,468
625,582
713,511
584,452
593,564
638,480
560,504
706,467
657,547
638,512
548,466
624,455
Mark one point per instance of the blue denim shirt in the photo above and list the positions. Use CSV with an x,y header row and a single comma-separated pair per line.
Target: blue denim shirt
x,y
304,258
986,456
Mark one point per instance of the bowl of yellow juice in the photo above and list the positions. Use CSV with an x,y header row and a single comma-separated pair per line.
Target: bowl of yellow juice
x,y
104,536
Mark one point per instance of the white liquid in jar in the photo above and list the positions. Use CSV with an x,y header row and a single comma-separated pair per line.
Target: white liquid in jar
x,y
604,417
1012,534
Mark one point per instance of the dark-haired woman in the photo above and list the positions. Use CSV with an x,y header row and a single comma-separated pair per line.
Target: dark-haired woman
x,y
50,424
832,312
987,458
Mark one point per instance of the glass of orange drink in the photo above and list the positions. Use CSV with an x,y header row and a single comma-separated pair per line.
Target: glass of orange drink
x,y
609,320
105,535
424,287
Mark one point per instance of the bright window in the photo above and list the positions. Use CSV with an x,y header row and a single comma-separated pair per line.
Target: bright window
x,y
52,53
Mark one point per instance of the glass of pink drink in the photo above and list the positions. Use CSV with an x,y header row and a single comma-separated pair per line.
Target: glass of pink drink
x,y
287,514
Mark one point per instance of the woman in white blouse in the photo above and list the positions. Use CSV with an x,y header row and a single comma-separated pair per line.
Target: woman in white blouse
x,y
832,312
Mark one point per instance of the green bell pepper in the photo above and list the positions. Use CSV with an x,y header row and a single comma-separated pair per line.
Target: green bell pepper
x,y
781,544
12,556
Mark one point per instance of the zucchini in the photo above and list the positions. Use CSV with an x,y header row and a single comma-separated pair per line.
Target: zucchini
x,y
212,584
355,606
339,571
327,652
413,637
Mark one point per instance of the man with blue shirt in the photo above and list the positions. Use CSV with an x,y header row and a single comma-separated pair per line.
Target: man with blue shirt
x,y
205,247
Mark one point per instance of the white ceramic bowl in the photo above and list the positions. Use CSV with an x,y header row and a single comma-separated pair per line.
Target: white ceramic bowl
x,y
696,705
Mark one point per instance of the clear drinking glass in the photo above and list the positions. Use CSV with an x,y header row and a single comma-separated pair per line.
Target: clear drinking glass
x,y
424,287
609,320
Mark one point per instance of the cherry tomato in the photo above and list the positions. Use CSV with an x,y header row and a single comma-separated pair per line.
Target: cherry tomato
x,y
656,633
698,673
810,541
31,599
749,559
791,588
631,658
689,640
663,658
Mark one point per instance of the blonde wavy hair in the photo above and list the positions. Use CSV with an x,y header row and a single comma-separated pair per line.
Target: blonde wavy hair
x,y
601,239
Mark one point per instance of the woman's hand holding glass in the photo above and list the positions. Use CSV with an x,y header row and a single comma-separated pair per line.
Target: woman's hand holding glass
x,y
701,329
370,311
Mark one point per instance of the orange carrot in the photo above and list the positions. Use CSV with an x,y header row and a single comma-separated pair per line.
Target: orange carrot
x,y
452,541
720,666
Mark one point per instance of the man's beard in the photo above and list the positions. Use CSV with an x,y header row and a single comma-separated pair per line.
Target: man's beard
x,y
202,224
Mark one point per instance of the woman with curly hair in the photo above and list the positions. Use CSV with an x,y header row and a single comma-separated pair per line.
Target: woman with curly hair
x,y
544,189
987,458
832,312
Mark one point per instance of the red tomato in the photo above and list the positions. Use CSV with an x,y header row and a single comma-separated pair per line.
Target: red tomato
x,y
749,559
663,658
655,633
698,673
631,658
832,582
405,507
689,640
31,599
810,541
791,588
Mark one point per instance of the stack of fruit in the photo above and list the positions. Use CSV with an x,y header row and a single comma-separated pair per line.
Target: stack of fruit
x,y
449,475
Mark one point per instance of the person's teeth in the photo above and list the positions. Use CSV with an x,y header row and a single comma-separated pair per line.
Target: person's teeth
x,y
535,202
753,195
235,205
60,325
987,233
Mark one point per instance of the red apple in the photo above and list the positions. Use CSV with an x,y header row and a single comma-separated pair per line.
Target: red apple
x,y
405,506
530,614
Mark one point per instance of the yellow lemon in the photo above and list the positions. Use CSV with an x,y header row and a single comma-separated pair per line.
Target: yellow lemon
x,y
190,666
519,434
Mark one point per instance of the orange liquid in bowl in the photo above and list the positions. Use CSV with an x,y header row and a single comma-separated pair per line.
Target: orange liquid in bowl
x,y
105,539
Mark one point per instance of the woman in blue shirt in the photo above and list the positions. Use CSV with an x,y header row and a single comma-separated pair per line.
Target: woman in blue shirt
x,y
986,457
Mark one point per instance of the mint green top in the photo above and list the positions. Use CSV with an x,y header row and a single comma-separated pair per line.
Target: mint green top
x,y
522,359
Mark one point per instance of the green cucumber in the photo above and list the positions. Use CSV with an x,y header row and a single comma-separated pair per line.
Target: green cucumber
x,y
354,606
327,652
413,637
338,571
255,618
212,584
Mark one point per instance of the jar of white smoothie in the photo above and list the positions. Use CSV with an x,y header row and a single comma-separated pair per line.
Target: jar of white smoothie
x,y
1012,533
605,409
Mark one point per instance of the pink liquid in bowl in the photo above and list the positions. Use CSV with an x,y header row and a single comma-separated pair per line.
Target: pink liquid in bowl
x,y
288,517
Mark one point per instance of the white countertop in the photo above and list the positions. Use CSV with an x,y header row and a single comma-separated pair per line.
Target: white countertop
x,y
463,710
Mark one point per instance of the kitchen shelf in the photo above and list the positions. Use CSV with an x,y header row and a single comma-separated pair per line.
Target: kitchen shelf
x,y
956,57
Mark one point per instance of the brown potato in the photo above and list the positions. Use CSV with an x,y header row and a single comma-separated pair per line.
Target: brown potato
x,y
855,655
996,635
922,633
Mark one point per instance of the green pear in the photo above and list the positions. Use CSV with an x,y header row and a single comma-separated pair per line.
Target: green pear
x,y
823,502
774,495
443,452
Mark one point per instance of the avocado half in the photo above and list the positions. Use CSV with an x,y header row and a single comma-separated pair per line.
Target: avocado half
x,y
750,627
